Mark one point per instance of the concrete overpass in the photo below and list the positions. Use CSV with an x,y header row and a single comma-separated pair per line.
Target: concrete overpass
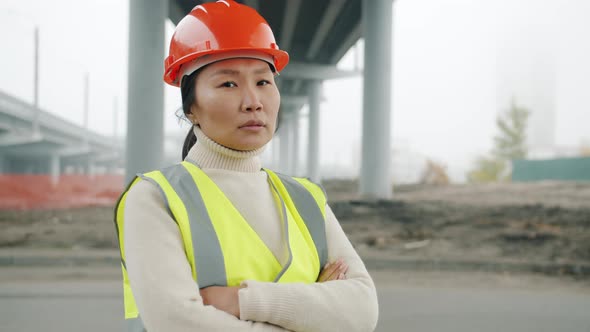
x,y
35,141
316,34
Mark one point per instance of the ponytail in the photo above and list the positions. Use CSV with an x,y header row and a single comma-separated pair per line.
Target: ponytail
x,y
187,92
189,141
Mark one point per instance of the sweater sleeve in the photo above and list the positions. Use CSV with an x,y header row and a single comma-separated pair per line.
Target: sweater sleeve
x,y
167,297
340,305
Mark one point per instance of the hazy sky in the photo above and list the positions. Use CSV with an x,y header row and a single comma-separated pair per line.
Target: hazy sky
x,y
445,81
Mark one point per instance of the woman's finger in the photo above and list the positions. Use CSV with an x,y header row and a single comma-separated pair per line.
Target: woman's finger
x,y
328,271
333,270
342,271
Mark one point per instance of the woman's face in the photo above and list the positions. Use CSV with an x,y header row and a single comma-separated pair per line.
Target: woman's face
x,y
237,103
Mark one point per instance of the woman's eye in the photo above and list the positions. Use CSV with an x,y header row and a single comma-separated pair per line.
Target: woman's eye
x,y
264,82
228,84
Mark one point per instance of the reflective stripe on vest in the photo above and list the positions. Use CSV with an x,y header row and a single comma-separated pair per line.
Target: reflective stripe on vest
x,y
135,325
221,247
311,200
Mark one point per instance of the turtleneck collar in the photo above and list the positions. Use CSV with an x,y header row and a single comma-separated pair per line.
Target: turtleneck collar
x,y
207,153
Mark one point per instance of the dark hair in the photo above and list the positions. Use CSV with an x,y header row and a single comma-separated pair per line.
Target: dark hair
x,y
187,92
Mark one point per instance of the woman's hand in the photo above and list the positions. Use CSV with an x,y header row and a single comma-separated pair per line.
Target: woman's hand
x,y
222,298
333,271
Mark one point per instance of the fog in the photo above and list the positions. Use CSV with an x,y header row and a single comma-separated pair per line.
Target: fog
x,y
456,66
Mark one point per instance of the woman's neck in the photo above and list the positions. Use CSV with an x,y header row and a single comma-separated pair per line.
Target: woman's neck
x,y
207,153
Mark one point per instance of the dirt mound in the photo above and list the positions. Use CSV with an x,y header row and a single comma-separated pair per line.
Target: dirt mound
x,y
545,221
443,230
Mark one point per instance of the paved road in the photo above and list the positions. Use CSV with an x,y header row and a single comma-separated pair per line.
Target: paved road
x,y
95,305
419,309
54,306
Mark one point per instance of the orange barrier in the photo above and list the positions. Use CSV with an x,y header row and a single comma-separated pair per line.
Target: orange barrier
x,y
22,192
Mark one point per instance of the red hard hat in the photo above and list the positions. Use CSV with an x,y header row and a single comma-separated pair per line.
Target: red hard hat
x,y
220,27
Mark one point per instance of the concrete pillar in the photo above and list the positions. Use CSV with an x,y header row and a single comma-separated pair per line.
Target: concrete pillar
x,y
26,166
111,168
285,143
296,146
313,145
54,168
145,117
269,154
90,167
375,179
276,142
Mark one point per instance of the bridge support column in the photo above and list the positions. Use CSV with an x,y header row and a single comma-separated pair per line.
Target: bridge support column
x,y
375,179
54,169
285,144
90,169
145,119
111,169
313,145
27,168
276,158
2,164
295,169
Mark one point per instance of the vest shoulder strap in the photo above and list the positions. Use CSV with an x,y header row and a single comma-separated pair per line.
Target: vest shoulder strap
x,y
310,201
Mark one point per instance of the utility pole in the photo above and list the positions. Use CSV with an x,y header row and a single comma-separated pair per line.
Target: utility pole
x,y
36,111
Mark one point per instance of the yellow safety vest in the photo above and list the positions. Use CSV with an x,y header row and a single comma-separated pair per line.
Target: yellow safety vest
x,y
220,246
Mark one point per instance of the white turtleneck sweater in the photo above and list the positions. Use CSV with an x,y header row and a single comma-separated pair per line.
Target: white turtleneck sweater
x,y
168,298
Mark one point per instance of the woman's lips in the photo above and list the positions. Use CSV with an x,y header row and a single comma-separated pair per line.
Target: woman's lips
x,y
253,125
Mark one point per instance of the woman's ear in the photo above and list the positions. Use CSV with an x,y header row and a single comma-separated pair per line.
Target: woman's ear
x,y
192,116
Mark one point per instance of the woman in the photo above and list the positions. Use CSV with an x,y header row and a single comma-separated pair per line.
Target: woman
x,y
264,250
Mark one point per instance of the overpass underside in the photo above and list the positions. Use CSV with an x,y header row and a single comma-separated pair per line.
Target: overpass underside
x,y
316,34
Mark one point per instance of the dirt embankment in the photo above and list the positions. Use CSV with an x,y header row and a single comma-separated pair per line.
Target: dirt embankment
x,y
90,227
538,222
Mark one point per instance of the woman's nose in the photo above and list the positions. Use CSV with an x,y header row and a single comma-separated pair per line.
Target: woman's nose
x,y
251,100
